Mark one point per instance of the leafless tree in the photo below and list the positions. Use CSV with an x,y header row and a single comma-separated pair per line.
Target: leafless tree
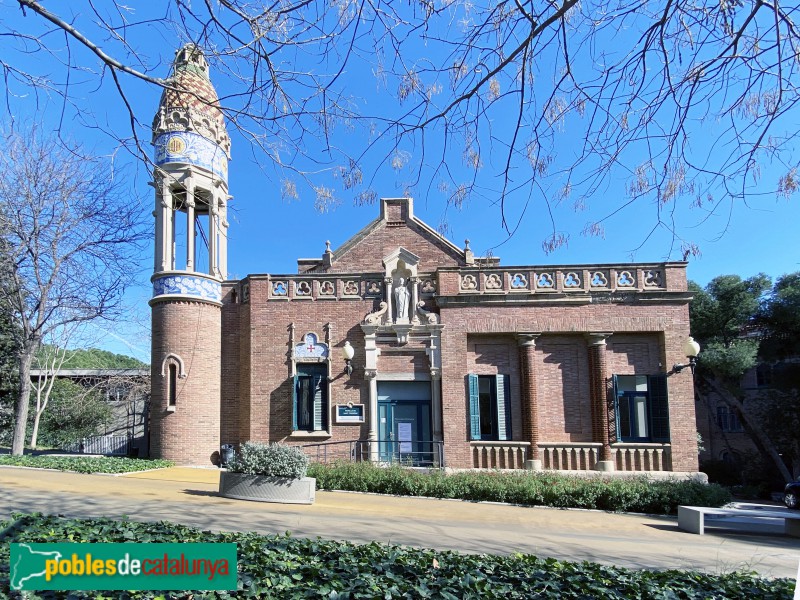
x,y
532,105
69,235
49,361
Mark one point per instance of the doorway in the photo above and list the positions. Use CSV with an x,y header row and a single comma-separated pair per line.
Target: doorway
x,y
404,422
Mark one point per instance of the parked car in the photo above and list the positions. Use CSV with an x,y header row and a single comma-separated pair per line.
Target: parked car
x,y
791,495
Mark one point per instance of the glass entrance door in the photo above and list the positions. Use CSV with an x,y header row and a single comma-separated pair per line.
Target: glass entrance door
x,y
404,422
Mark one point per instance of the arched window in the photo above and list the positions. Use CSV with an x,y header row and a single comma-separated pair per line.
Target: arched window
x,y
728,419
172,385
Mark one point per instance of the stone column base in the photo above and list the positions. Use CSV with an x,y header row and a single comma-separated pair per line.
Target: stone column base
x,y
533,465
605,465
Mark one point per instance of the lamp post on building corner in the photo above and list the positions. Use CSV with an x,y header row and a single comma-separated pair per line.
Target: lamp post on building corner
x,y
690,349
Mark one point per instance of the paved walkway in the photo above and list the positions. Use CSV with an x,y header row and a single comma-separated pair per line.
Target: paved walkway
x,y
189,496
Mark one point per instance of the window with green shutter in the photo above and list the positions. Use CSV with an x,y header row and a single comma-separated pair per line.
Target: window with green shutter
x,y
310,398
489,407
641,408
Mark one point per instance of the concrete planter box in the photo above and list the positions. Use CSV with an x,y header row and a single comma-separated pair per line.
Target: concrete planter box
x,y
262,488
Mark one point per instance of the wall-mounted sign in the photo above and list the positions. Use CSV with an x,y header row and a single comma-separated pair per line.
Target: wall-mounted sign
x,y
349,413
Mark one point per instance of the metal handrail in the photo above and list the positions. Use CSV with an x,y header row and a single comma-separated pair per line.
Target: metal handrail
x,y
421,453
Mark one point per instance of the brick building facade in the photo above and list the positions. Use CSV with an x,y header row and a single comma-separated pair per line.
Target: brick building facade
x,y
457,360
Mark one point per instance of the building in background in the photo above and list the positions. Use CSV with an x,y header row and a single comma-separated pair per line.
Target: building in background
x,y
127,394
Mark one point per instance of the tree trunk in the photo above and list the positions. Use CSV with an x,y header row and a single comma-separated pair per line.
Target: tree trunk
x,y
42,398
23,399
35,431
751,427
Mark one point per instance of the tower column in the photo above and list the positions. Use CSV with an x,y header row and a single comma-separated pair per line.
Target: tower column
x,y
164,226
213,228
223,239
158,215
190,241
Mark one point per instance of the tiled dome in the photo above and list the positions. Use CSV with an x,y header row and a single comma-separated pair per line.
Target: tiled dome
x,y
191,102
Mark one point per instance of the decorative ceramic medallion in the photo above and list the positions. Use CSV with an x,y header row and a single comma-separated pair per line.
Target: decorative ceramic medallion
x,y
311,348
191,148
188,285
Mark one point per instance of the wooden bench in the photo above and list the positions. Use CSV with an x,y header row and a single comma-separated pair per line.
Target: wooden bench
x,y
692,518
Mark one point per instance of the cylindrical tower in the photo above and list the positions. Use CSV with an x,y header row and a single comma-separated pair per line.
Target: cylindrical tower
x,y
192,149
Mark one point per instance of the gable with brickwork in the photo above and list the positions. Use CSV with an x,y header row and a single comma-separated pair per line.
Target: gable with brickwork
x,y
396,227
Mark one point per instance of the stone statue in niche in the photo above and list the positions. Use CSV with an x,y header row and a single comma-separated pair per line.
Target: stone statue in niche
x,y
401,299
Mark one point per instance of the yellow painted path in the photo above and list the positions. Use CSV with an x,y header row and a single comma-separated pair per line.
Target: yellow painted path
x,y
189,496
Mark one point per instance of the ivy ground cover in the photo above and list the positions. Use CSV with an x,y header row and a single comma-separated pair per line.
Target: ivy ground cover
x,y
286,567
84,464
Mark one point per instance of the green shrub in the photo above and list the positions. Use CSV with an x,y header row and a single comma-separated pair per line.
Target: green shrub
x,y
84,464
634,494
273,460
285,567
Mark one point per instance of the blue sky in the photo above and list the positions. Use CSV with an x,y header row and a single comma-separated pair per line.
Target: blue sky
x,y
268,233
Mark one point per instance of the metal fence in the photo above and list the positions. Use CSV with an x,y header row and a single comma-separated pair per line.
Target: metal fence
x,y
413,454
114,445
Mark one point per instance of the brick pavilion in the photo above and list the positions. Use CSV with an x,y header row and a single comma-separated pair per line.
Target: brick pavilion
x,y
400,345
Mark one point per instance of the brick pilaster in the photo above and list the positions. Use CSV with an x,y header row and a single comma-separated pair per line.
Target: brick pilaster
x,y
530,402
598,392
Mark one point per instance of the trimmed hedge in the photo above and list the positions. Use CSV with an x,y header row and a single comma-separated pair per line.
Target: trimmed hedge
x,y
84,464
285,567
634,494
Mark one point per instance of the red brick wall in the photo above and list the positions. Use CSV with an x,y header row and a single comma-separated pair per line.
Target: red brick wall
x,y
563,395
562,377
230,388
264,330
475,339
634,354
191,330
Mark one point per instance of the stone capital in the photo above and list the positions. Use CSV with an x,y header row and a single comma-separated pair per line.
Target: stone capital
x,y
527,339
597,338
